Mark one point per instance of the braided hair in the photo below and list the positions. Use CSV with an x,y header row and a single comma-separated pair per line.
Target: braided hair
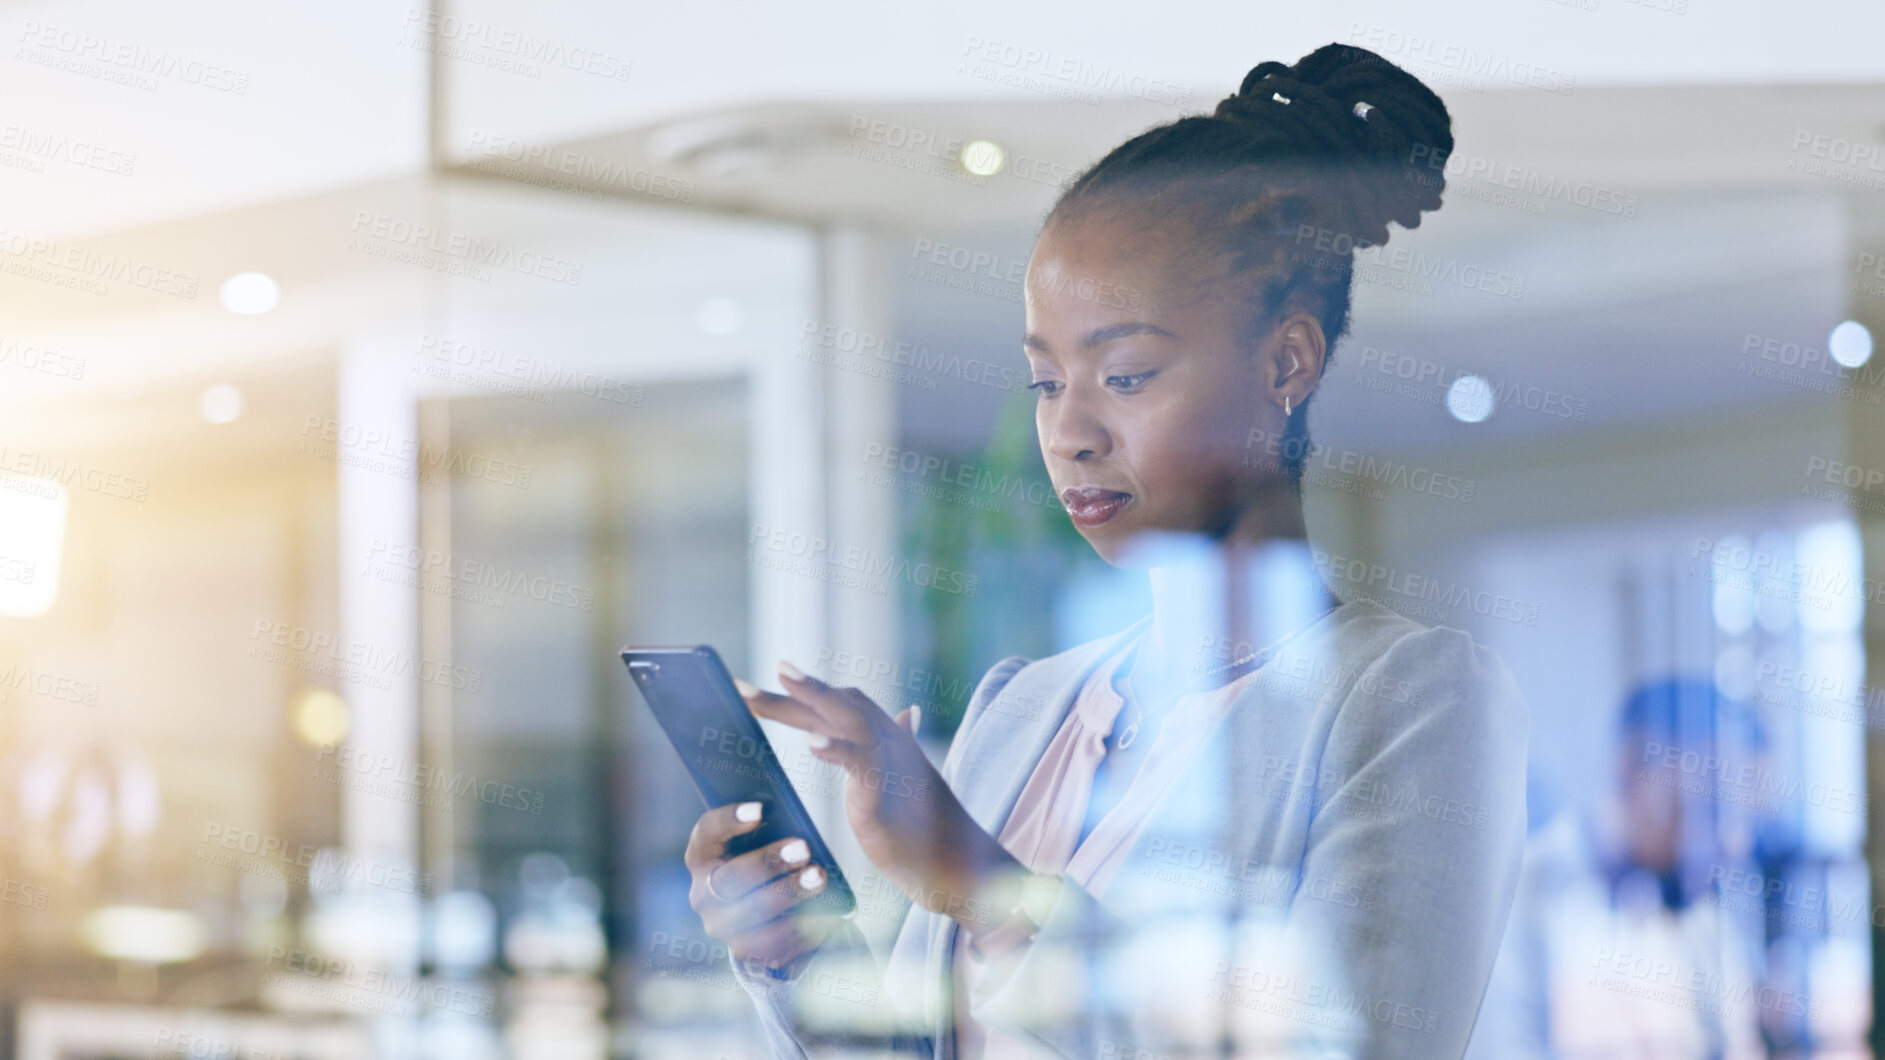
x,y
1289,176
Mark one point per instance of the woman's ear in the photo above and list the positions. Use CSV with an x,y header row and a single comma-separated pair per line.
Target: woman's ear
x,y
1299,354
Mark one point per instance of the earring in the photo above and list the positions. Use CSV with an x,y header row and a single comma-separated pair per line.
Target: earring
x,y
1285,406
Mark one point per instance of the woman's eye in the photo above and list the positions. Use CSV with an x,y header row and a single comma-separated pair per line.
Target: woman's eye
x,y
1128,382
1043,386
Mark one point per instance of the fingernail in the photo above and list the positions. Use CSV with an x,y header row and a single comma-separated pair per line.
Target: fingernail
x,y
747,812
812,879
916,717
818,742
786,669
794,852
746,688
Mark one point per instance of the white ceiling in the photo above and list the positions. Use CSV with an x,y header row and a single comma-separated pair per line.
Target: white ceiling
x,y
335,94
1695,115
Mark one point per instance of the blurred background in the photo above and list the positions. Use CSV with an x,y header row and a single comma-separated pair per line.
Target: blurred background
x,y
370,373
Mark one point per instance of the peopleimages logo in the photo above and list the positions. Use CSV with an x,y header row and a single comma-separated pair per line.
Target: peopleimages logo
x,y
524,376
840,666
1428,381
1294,996
351,767
316,868
38,359
1055,74
989,273
51,685
371,988
137,65
1413,589
853,566
24,895
1351,469
585,168
394,238
84,264
171,1042
1417,271
472,573
1736,563
1837,149
42,475
505,49
15,569
1456,64
83,154
372,449
1685,987
328,655
1523,180
1747,783
976,482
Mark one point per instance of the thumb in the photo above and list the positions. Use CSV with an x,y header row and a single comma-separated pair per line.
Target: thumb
x,y
911,718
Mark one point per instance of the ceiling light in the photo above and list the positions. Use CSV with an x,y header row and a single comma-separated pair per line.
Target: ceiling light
x,y
143,933
1469,399
1850,344
321,718
724,145
249,293
221,403
32,538
983,158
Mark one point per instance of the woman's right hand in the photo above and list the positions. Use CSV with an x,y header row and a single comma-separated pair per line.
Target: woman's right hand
x,y
750,905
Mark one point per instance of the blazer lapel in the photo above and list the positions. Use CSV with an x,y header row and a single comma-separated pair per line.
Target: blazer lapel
x,y
1011,734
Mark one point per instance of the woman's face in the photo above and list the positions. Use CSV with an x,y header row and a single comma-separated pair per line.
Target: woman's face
x,y
1153,412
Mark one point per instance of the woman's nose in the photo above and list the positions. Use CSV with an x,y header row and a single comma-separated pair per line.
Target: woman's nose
x,y
1073,432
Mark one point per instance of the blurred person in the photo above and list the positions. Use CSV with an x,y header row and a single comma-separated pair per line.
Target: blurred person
x,y
1618,945
1259,821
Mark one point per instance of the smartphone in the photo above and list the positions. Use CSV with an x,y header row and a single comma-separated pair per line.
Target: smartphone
x,y
728,755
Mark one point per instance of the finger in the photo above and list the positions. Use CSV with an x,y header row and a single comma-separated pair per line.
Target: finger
x,y
841,753
911,718
708,841
737,877
851,714
785,709
771,900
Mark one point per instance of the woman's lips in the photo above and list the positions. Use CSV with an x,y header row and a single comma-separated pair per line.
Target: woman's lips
x,y
1092,507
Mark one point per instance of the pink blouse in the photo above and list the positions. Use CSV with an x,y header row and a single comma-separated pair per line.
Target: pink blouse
x,y
1043,831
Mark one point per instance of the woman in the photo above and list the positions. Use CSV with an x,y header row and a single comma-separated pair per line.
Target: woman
x,y
1152,845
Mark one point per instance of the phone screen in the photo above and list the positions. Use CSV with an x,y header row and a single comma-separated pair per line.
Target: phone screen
x,y
727,753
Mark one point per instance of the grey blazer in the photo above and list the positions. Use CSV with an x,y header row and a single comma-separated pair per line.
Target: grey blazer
x,y
1330,877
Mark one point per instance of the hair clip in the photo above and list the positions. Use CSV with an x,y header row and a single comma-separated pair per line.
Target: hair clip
x,y
1362,109
1279,97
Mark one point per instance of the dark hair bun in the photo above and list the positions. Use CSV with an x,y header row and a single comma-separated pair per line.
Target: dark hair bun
x,y
1389,155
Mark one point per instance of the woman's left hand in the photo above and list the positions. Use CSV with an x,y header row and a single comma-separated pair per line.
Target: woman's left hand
x,y
909,823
